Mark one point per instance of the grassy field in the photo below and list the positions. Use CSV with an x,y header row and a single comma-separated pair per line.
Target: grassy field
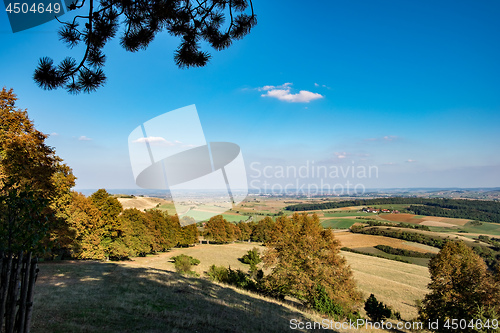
x,y
416,261
146,295
235,218
338,223
344,214
394,283
110,297
355,241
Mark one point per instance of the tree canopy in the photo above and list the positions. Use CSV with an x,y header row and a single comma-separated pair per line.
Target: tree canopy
x,y
33,179
461,288
142,20
306,264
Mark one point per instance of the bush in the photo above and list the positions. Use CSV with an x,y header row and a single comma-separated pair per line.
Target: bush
x,y
183,264
324,304
237,278
377,310
218,273
252,258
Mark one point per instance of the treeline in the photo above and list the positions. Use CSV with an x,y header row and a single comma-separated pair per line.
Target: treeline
x,y
376,223
488,211
97,227
405,253
348,249
218,230
474,210
490,256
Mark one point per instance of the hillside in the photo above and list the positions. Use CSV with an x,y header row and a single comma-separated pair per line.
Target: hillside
x,y
146,295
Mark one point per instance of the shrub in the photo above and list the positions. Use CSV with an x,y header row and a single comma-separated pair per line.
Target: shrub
x,y
237,277
183,264
324,304
252,258
377,310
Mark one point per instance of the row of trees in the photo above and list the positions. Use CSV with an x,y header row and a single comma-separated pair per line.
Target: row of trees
x,y
488,211
97,227
219,231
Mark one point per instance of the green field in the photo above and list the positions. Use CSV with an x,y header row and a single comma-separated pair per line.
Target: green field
x,y
199,215
235,218
338,223
169,207
485,229
344,214
416,261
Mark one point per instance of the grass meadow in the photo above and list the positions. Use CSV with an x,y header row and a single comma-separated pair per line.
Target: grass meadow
x,y
147,295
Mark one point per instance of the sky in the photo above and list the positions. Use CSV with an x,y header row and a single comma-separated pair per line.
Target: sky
x,y
409,90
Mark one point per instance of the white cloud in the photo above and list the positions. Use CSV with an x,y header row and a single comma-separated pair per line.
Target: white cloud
x,y
84,138
316,85
54,134
384,138
283,93
283,86
410,161
341,155
157,141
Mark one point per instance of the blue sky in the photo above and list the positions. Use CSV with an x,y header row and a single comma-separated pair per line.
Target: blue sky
x,y
410,87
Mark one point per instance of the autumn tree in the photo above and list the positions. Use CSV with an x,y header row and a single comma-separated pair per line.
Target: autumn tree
x,y
262,230
135,235
461,287
215,230
34,182
245,231
305,262
87,229
215,22
188,235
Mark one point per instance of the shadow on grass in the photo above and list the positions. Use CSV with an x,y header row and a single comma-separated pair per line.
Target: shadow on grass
x,y
85,296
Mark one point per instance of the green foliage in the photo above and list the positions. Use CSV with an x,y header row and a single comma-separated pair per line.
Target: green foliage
x,y
374,255
403,252
376,310
252,258
218,273
237,278
324,304
375,223
183,264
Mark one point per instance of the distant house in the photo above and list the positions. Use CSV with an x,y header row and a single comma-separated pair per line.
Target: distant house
x,y
395,211
386,211
371,210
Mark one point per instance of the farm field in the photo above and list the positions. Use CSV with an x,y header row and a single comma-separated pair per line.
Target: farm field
x,y
395,283
416,261
338,223
354,241
142,203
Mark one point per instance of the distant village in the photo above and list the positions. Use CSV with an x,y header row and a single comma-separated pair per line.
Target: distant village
x,y
378,210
